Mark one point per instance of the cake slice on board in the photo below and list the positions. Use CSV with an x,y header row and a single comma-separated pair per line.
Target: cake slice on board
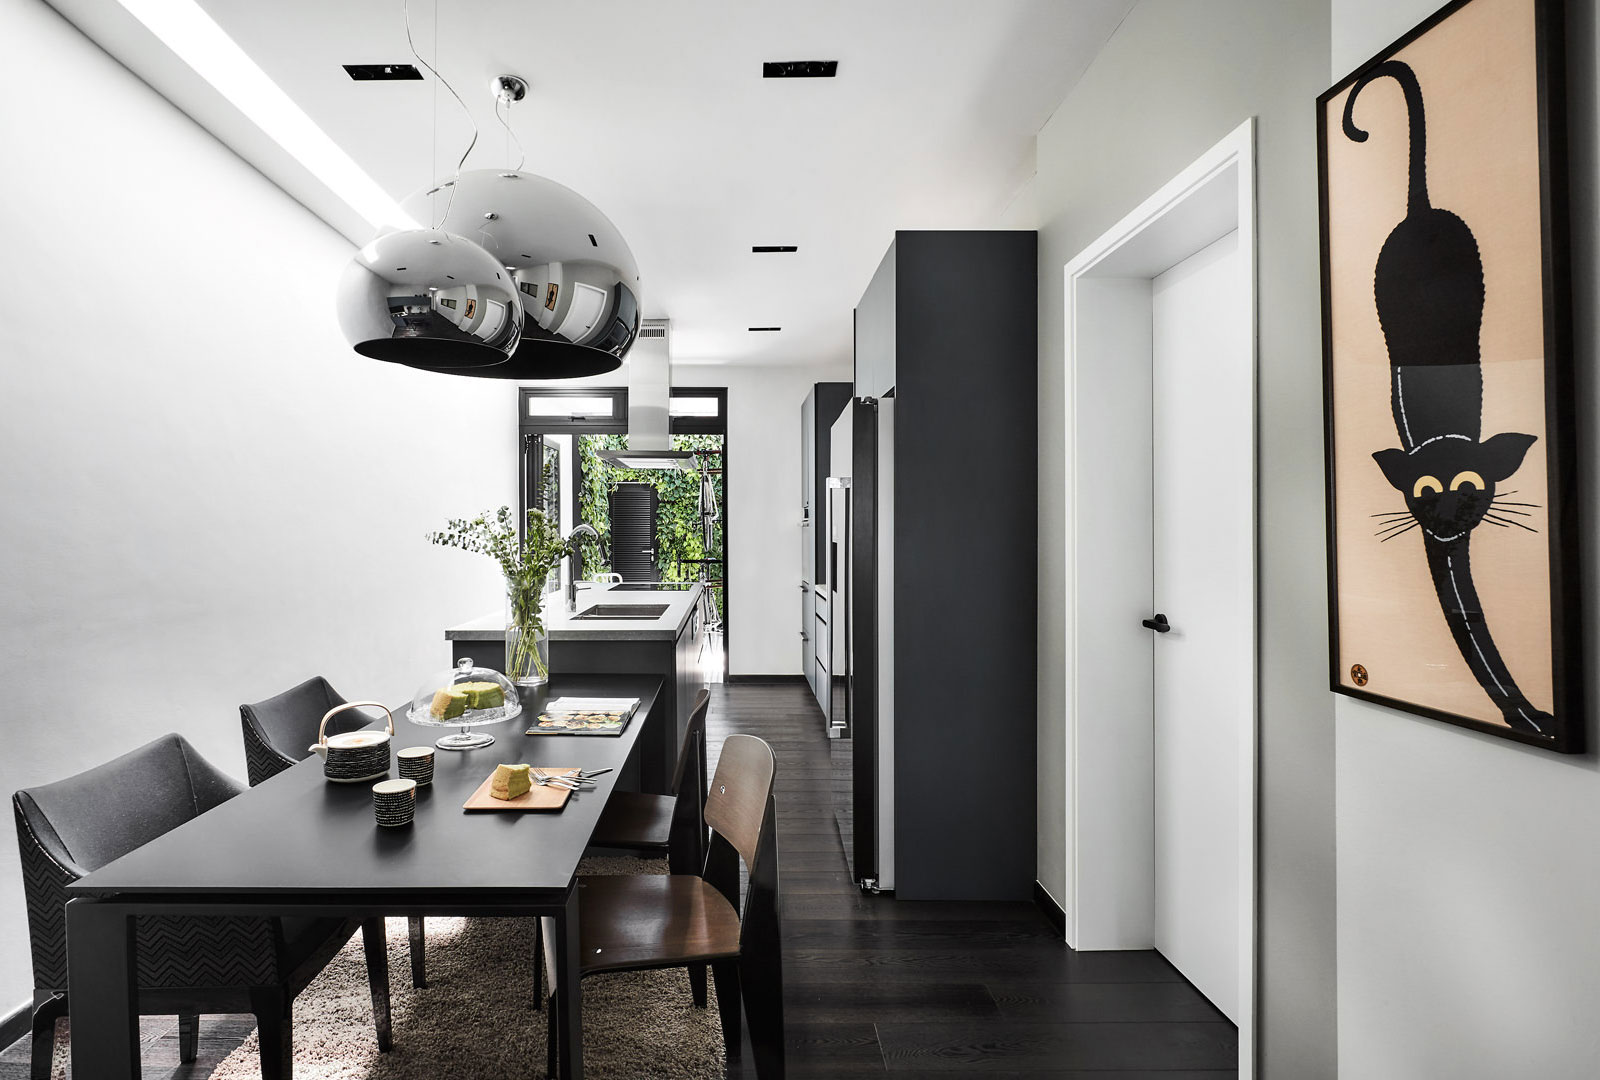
x,y
509,781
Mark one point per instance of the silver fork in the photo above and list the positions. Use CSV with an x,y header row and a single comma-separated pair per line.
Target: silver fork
x,y
553,781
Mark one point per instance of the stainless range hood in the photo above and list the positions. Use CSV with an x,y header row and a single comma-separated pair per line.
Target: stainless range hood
x,y
649,405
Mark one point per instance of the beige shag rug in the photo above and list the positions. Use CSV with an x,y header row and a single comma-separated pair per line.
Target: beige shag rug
x,y
477,1017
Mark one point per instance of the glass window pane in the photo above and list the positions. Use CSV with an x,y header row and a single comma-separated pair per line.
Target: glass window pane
x,y
564,406
694,406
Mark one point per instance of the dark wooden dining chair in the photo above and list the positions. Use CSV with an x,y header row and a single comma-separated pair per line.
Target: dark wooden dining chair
x,y
186,964
657,825
639,821
635,923
279,732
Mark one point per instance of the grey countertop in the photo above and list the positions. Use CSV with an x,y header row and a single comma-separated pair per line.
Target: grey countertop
x,y
563,627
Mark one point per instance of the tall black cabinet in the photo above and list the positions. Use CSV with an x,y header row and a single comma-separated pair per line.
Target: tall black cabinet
x,y
943,601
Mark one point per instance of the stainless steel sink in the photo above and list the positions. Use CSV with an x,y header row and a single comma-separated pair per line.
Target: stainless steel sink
x,y
649,612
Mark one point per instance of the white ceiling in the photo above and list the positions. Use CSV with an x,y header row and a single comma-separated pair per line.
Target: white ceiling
x,y
658,114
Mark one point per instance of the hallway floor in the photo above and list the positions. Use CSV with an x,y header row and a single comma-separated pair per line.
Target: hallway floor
x,y
878,987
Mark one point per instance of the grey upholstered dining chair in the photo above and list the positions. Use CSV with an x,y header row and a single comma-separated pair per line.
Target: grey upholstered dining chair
x,y
279,731
186,964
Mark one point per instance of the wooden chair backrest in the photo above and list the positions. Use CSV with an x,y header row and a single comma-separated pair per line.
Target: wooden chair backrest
x,y
694,744
742,813
686,839
741,790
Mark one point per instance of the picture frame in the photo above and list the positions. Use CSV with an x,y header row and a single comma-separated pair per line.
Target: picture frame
x,y
1448,389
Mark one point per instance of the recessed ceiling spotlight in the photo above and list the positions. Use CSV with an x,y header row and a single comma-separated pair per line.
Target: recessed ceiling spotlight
x,y
381,72
799,69
773,249
765,329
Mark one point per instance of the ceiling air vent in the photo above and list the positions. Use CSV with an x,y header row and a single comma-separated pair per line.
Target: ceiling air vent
x,y
799,69
773,249
382,72
653,328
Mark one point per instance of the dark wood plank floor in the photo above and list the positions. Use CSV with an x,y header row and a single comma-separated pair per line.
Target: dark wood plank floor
x,y
879,987
875,986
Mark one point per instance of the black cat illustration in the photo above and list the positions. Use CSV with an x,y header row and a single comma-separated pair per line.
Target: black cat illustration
x,y
1429,290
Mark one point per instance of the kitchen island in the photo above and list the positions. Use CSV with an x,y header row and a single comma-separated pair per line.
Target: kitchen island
x,y
672,644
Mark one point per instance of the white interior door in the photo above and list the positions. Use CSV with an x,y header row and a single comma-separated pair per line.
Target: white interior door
x,y
1202,572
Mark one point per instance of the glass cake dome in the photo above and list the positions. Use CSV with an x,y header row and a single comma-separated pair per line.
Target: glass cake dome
x,y
465,697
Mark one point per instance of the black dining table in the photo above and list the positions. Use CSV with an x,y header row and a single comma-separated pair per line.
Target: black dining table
x,y
299,845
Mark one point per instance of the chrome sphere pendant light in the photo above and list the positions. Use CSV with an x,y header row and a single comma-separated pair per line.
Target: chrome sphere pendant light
x,y
426,298
518,278
577,279
430,298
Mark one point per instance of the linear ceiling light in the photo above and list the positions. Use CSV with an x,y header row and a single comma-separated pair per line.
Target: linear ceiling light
x,y
199,42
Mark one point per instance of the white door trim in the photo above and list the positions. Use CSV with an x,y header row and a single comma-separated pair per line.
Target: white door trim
x,y
1109,826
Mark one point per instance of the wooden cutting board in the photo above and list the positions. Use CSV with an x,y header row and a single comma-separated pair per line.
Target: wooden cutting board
x,y
545,797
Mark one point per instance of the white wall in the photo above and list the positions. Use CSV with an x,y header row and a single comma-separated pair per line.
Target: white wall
x,y
1176,77
1469,875
205,496
763,512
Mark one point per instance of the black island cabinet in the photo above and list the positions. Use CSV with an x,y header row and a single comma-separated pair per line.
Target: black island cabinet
x,y
674,647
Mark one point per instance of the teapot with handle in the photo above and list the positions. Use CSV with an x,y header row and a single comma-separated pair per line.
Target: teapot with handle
x,y
352,756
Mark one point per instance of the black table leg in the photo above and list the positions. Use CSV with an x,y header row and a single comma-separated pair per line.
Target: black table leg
x,y
101,974
569,987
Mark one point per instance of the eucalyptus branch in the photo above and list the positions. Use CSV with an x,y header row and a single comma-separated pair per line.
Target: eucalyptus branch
x,y
531,560
526,564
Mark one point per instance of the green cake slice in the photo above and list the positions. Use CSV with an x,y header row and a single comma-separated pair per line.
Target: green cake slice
x,y
482,695
448,703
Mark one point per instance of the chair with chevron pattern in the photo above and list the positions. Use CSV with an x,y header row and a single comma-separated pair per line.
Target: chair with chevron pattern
x,y
279,732
187,965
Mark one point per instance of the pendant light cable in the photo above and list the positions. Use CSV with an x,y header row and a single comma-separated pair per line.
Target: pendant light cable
x,y
433,148
406,12
504,98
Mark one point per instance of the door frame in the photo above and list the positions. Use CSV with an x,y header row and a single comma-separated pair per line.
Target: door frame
x,y
616,423
1109,544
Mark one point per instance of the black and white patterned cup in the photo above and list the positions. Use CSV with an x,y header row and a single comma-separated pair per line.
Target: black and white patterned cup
x,y
394,802
416,763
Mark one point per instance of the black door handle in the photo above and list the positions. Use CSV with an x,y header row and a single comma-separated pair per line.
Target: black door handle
x,y
1159,624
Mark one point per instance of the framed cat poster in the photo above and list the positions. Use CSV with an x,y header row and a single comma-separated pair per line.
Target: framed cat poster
x,y
1448,382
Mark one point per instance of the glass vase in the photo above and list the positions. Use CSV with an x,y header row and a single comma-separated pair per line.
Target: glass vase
x,y
527,646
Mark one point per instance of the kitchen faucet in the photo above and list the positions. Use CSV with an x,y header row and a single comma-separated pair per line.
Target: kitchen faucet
x,y
574,558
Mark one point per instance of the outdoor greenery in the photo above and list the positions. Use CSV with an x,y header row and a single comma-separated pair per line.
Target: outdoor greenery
x,y
526,566
678,492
